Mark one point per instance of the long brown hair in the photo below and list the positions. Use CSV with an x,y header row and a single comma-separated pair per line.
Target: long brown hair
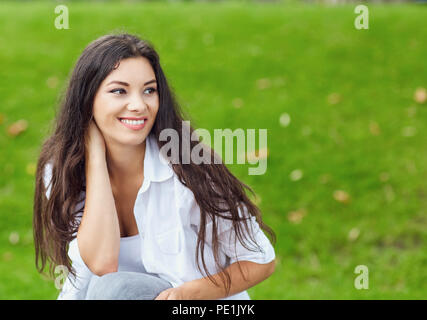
x,y
216,190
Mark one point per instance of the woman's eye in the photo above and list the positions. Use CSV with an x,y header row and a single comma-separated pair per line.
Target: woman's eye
x,y
152,90
120,90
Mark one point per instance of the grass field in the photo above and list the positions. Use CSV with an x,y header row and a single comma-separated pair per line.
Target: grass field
x,y
354,127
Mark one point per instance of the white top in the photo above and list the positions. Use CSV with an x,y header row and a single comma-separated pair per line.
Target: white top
x,y
168,219
130,254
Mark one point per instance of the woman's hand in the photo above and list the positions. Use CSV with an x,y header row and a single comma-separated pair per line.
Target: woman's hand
x,y
178,293
94,141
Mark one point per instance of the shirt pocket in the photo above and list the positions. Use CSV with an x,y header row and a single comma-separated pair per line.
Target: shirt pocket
x,y
170,241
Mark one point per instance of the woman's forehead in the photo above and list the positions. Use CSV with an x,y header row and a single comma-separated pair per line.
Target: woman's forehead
x,y
133,70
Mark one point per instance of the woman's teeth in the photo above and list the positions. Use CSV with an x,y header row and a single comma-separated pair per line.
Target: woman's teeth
x,y
133,122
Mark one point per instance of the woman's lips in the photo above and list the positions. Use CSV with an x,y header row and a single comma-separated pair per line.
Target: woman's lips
x,y
135,127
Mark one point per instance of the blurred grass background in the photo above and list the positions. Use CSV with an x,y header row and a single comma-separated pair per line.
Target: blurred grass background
x,y
340,106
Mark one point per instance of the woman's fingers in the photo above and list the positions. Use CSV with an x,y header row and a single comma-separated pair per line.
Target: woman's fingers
x,y
94,140
163,295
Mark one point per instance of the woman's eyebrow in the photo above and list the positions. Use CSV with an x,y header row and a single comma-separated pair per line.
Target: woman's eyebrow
x,y
127,84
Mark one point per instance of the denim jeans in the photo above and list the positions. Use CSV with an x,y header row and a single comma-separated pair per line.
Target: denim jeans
x,y
125,285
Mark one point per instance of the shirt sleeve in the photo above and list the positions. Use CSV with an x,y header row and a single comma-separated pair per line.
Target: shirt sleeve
x,y
234,249
83,273
229,243
75,287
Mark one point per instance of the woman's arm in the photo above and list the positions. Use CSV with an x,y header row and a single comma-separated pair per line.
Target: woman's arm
x,y
204,289
98,236
255,273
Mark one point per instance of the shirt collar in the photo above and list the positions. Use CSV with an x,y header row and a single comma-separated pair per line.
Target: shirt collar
x,y
156,167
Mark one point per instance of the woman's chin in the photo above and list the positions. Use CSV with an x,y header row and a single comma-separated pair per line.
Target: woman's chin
x,y
133,141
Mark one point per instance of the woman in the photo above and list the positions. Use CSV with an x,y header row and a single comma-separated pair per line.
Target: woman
x,y
125,221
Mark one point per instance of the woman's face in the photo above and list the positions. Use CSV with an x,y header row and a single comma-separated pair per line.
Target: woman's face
x,y
130,91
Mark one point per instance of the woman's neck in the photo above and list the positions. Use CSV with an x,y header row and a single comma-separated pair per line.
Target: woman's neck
x,y
125,162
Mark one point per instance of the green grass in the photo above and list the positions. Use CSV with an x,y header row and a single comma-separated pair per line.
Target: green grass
x,y
215,53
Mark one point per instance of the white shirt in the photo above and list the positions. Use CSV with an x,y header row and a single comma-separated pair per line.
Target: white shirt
x,y
168,218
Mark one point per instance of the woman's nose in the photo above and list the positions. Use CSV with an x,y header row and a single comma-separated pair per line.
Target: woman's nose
x,y
137,103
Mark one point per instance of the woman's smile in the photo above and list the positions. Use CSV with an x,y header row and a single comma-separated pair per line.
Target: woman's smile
x,y
133,124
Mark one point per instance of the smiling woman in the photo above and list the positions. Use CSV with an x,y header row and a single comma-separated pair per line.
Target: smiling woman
x,y
125,223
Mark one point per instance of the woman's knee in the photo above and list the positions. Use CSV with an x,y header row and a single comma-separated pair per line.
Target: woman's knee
x,y
126,286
